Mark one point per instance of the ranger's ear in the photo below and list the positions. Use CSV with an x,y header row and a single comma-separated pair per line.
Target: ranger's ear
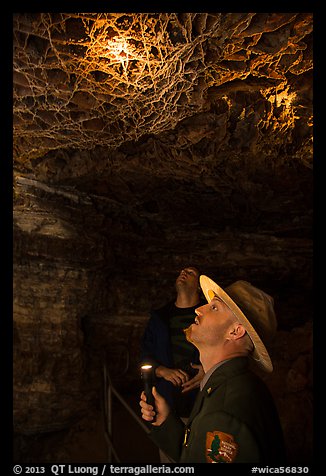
x,y
237,331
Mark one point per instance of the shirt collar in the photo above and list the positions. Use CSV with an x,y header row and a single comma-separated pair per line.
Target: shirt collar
x,y
209,373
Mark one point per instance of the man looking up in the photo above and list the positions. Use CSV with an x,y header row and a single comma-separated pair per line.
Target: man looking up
x,y
234,418
175,360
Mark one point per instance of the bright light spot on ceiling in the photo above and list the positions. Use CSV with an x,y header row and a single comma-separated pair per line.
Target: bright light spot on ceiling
x,y
283,98
119,50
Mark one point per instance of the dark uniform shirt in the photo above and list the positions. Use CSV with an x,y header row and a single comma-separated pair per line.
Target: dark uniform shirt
x,y
234,419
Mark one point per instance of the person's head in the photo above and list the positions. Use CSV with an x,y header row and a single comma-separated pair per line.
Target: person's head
x,y
188,280
229,322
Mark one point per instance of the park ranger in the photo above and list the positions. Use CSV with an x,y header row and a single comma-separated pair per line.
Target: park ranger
x,y
234,418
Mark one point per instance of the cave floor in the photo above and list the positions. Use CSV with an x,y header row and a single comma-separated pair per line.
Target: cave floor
x,y
85,442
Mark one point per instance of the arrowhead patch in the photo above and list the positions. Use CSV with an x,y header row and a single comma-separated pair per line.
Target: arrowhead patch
x,y
220,447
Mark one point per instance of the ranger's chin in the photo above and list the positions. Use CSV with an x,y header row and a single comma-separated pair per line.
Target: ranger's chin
x,y
187,332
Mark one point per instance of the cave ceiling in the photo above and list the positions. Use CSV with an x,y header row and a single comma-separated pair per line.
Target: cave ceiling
x,y
199,119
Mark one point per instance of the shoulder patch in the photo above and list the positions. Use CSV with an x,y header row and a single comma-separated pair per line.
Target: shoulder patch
x,y
220,447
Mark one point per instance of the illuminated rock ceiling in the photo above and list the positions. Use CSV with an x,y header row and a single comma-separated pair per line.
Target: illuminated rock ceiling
x,y
161,121
100,79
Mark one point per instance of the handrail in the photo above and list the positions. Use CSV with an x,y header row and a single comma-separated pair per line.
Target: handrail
x,y
110,390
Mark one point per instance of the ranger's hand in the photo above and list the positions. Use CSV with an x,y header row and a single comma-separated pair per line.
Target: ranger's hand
x,y
160,412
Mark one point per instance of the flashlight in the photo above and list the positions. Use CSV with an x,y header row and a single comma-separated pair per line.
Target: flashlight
x,y
147,377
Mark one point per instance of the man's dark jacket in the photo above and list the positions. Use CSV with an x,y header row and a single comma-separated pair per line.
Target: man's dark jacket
x,y
236,402
156,349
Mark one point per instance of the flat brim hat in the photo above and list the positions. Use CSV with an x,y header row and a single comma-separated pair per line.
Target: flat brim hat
x,y
253,308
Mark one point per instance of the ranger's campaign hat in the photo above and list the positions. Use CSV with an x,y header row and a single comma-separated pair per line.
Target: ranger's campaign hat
x,y
253,308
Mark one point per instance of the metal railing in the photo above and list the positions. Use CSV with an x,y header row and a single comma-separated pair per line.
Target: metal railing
x,y
109,392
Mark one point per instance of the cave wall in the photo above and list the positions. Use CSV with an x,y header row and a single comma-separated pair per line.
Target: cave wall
x,y
54,270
